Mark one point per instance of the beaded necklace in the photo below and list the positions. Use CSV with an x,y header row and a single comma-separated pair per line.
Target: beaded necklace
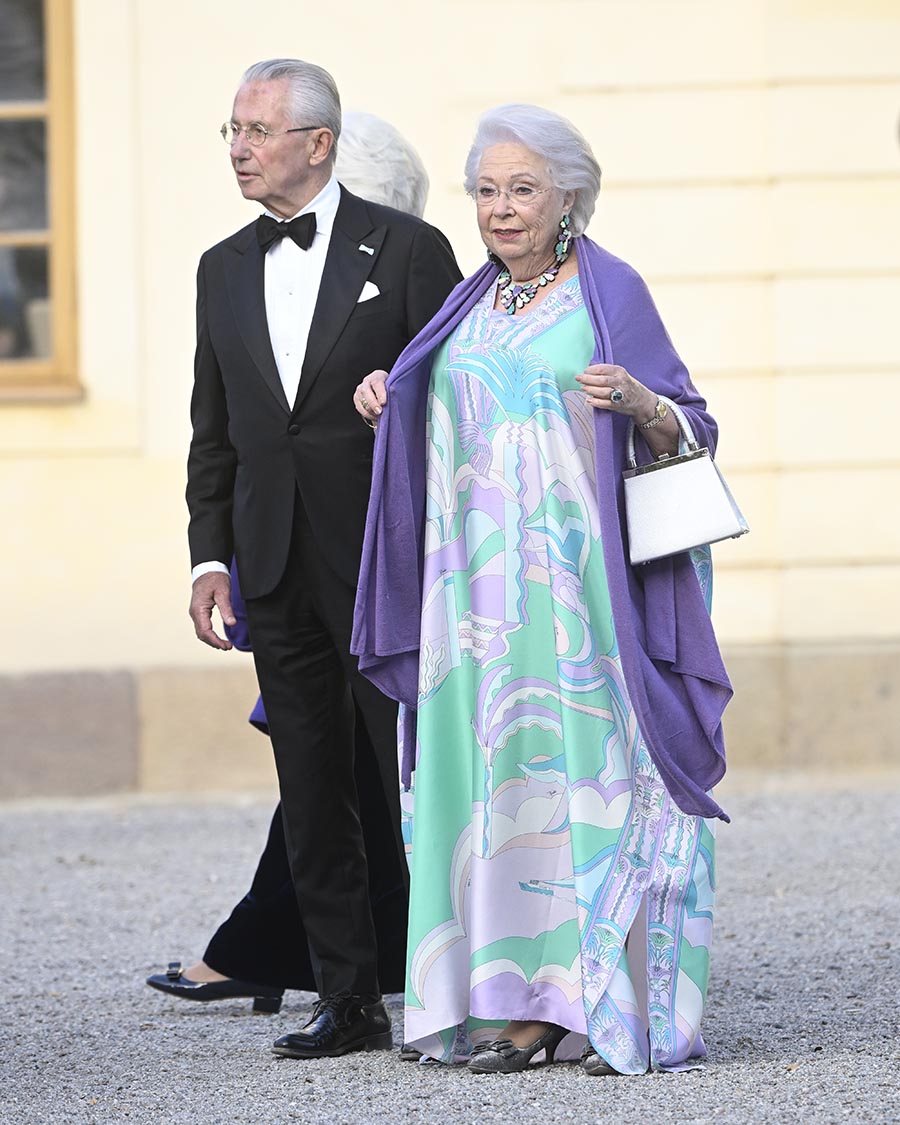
x,y
516,295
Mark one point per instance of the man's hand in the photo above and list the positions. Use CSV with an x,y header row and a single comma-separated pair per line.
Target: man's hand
x,y
211,590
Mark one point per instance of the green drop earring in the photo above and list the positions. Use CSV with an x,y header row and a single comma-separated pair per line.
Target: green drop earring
x,y
565,238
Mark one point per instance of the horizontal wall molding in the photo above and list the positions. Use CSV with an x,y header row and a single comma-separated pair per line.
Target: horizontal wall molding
x,y
715,86
768,277
692,183
789,564
803,372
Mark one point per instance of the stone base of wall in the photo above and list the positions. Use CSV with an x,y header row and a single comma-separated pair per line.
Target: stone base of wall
x,y
816,707
175,730
163,730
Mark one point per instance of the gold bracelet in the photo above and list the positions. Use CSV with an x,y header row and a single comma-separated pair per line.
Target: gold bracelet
x,y
659,416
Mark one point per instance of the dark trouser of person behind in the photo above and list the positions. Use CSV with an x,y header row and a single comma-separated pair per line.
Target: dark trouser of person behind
x,y
263,939
262,947
301,645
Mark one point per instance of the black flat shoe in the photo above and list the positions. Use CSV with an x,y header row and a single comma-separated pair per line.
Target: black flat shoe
x,y
504,1057
266,997
339,1024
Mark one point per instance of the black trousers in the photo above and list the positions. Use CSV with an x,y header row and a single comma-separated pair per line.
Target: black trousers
x,y
301,646
263,939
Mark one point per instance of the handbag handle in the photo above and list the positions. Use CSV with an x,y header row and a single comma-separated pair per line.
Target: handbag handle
x,y
683,425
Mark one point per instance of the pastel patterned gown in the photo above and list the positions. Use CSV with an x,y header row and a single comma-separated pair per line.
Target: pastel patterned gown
x,y
552,876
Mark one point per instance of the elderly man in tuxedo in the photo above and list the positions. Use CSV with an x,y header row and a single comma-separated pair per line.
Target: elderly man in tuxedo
x,y
292,312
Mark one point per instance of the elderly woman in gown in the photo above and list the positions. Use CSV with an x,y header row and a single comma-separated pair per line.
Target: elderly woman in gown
x,y
562,709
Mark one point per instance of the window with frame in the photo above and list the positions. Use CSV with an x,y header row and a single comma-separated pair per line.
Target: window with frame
x,y
37,213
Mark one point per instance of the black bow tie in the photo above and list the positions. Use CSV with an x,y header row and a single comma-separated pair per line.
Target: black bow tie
x,y
301,230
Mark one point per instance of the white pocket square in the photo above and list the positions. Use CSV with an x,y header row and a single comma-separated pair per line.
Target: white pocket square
x,y
369,290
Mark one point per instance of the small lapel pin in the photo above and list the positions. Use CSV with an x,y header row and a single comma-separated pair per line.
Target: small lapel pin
x,y
366,249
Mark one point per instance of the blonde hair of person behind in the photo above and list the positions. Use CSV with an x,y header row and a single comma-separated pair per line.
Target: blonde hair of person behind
x,y
377,162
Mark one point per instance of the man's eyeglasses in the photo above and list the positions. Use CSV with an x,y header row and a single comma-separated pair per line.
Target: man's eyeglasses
x,y
523,194
256,133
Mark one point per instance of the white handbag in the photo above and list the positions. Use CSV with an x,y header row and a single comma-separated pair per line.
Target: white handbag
x,y
677,503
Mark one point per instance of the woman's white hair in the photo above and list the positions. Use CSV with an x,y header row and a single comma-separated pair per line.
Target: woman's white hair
x,y
377,162
571,164
313,95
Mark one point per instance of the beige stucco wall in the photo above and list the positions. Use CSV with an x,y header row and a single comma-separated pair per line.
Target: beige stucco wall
x,y
752,174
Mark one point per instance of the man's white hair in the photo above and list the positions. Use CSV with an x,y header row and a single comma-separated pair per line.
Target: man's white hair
x,y
312,94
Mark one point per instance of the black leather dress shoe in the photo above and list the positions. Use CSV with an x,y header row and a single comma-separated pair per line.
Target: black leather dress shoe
x,y
339,1024
266,997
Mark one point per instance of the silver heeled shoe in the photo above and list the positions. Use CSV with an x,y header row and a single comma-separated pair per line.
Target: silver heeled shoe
x,y
594,1064
504,1057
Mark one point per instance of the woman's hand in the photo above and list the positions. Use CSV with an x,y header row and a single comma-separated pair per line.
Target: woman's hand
x,y
609,387
370,396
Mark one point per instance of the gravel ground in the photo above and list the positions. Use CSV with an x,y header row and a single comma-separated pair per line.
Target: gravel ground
x,y
801,1021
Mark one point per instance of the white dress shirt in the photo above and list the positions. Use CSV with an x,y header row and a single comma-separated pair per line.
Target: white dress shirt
x,y
292,279
292,284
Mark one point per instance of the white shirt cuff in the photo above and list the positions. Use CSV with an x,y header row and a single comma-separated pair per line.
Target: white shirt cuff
x,y
208,568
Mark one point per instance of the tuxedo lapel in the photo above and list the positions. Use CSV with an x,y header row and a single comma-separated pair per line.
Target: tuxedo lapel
x,y
347,268
247,293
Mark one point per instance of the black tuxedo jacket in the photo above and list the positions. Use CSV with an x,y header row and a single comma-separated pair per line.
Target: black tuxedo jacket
x,y
250,450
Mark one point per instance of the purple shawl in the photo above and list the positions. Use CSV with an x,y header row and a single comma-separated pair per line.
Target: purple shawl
x,y
671,663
